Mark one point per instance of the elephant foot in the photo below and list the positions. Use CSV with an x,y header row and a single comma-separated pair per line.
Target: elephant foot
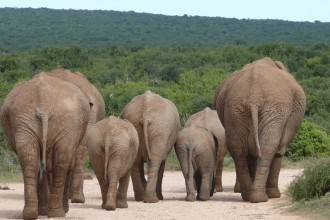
x,y
138,197
150,198
258,196
191,198
54,213
78,198
30,212
42,210
121,204
203,196
110,206
160,196
245,195
273,192
219,188
237,188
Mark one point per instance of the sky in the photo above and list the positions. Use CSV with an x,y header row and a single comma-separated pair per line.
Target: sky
x,y
289,10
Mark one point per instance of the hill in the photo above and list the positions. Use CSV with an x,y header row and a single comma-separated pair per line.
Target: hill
x,y
27,28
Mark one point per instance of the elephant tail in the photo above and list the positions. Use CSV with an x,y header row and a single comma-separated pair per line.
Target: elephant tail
x,y
42,168
190,167
106,161
145,132
254,112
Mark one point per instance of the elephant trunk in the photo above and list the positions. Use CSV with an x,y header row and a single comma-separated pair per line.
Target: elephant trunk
x,y
254,113
106,161
42,168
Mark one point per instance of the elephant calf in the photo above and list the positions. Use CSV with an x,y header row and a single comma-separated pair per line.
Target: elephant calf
x,y
196,151
112,147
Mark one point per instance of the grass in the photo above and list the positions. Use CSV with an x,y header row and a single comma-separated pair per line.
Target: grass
x,y
313,209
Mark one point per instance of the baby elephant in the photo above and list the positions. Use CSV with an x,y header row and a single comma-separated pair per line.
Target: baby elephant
x,y
196,151
112,147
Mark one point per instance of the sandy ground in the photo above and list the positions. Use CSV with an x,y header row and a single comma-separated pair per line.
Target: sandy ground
x,y
223,205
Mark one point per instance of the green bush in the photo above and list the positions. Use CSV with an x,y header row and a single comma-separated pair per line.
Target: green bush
x,y
314,182
310,141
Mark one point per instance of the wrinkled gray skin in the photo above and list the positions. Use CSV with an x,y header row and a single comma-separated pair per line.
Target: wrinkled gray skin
x,y
44,120
196,152
208,119
261,108
156,120
96,114
112,147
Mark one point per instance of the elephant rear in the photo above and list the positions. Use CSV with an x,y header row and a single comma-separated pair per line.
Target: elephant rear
x,y
196,152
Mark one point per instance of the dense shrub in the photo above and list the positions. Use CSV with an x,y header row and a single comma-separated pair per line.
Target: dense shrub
x,y
314,182
310,141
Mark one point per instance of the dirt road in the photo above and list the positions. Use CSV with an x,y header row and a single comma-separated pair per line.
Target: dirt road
x,y
223,205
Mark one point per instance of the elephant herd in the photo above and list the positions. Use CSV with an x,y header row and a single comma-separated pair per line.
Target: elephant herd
x,y
53,120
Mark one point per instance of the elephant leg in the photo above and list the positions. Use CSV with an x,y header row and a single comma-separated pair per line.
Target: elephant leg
x,y
160,180
29,161
122,191
237,188
77,184
270,143
138,179
272,189
206,191
153,169
112,194
65,200
60,168
43,195
218,177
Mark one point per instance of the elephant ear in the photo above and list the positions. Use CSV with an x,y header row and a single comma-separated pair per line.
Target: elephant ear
x,y
280,65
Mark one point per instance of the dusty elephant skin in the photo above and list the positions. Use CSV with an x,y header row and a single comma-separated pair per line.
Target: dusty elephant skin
x,y
201,148
156,120
209,120
261,108
96,114
196,151
44,120
112,146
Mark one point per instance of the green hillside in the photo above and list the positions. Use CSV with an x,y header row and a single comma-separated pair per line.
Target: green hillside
x,y
28,28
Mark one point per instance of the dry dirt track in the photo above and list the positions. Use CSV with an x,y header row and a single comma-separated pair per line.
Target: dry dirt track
x,y
224,205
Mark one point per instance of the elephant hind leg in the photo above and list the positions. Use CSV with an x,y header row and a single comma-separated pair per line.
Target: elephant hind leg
x,y
272,189
160,180
121,201
153,172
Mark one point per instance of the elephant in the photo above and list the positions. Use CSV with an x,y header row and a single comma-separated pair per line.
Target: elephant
x,y
196,150
97,113
44,120
261,108
208,119
112,147
157,122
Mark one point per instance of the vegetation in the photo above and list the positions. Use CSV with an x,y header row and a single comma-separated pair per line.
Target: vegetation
x,y
27,28
311,190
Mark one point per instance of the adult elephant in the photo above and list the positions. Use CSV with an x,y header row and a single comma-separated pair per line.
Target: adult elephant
x,y
109,142
156,120
96,114
44,120
261,108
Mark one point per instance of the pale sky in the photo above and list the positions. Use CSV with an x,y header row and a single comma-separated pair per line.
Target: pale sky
x,y
291,10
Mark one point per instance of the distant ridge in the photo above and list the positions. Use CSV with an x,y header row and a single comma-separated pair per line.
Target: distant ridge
x,y
27,28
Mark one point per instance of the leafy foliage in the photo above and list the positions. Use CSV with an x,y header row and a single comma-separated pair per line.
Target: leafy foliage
x,y
29,28
310,141
314,182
